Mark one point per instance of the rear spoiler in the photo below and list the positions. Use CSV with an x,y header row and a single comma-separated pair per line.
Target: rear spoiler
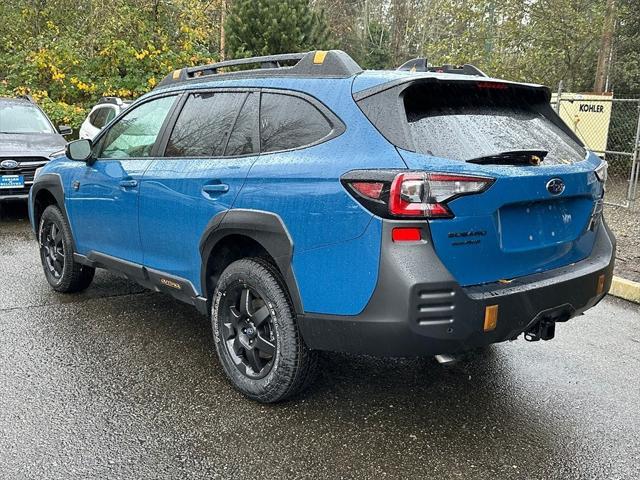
x,y
402,83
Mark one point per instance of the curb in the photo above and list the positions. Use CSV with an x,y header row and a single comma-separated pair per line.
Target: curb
x,y
626,289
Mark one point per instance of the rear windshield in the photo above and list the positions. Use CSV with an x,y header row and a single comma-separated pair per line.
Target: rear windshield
x,y
467,120
23,118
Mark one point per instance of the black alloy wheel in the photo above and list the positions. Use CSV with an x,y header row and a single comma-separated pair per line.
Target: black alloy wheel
x,y
61,269
256,332
52,249
248,331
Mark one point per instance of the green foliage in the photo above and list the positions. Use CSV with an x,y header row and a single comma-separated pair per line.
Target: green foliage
x,y
69,53
625,76
267,27
375,47
541,41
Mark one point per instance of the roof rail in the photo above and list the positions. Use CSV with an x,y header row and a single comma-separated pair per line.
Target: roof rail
x,y
111,100
420,64
319,63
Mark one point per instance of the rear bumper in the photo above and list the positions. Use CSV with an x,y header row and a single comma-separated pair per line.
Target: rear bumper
x,y
423,311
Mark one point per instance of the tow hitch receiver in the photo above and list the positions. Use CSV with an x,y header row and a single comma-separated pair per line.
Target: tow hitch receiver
x,y
543,327
542,330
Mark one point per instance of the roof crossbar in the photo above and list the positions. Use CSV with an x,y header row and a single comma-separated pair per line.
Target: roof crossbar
x,y
269,61
319,63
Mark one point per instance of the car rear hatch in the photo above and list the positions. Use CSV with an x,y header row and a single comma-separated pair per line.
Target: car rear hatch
x,y
543,197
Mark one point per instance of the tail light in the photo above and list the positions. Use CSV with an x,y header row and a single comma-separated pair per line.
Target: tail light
x,y
411,194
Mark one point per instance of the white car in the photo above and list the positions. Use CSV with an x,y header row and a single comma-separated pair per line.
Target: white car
x,y
105,111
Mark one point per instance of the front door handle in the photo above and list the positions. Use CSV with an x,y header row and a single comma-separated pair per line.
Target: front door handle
x,y
216,188
129,183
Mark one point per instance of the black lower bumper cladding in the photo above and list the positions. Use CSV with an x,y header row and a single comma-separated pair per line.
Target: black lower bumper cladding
x,y
423,311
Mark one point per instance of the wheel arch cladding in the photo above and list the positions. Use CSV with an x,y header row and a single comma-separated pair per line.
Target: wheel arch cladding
x,y
241,233
47,190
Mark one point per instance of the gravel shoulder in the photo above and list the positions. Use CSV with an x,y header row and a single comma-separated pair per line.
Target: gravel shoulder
x,y
625,224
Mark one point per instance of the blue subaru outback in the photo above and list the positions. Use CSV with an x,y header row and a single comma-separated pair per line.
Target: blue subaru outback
x,y
309,205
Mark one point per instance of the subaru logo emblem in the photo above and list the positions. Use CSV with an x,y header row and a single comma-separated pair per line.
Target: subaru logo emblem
x,y
555,186
8,164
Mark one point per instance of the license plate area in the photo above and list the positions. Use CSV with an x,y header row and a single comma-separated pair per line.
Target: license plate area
x,y
532,225
11,181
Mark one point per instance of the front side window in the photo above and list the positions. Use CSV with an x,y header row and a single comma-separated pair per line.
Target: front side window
x,y
288,122
23,118
134,135
204,125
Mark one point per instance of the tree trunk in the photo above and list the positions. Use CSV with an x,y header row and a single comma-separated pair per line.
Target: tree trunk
x,y
606,42
223,14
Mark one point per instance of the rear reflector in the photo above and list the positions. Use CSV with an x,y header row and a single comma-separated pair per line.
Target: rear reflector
x,y
406,235
600,287
490,318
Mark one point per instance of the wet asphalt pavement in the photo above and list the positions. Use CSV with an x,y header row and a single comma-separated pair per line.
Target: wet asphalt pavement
x,y
118,382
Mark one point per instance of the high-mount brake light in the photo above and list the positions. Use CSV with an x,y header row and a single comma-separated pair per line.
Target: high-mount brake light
x,y
407,194
425,194
492,85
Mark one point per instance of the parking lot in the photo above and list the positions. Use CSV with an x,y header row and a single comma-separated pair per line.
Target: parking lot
x,y
119,382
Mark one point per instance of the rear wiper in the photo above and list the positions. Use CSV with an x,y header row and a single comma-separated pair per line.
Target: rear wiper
x,y
513,157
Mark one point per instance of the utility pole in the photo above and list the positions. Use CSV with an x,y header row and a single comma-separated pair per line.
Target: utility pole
x,y
606,43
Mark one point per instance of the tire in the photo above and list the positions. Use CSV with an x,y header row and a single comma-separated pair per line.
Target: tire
x,y
251,310
56,254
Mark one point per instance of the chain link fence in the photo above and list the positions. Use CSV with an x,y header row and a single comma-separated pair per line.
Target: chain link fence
x,y
610,127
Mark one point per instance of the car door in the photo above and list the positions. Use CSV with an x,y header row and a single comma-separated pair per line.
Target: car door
x,y
103,198
208,154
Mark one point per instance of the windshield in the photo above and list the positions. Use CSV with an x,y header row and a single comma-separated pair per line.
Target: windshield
x,y
467,121
18,118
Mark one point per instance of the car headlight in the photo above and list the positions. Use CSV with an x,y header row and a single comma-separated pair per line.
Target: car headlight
x,y
37,172
601,171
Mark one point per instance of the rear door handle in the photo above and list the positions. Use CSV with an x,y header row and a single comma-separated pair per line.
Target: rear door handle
x,y
128,183
216,188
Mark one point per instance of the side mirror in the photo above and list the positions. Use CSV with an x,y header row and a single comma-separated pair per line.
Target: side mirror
x,y
65,130
79,150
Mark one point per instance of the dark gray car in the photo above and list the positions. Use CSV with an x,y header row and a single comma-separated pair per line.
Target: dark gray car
x,y
27,140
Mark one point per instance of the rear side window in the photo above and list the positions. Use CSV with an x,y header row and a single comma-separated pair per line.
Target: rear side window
x,y
244,136
97,117
101,116
288,122
467,120
111,114
204,125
